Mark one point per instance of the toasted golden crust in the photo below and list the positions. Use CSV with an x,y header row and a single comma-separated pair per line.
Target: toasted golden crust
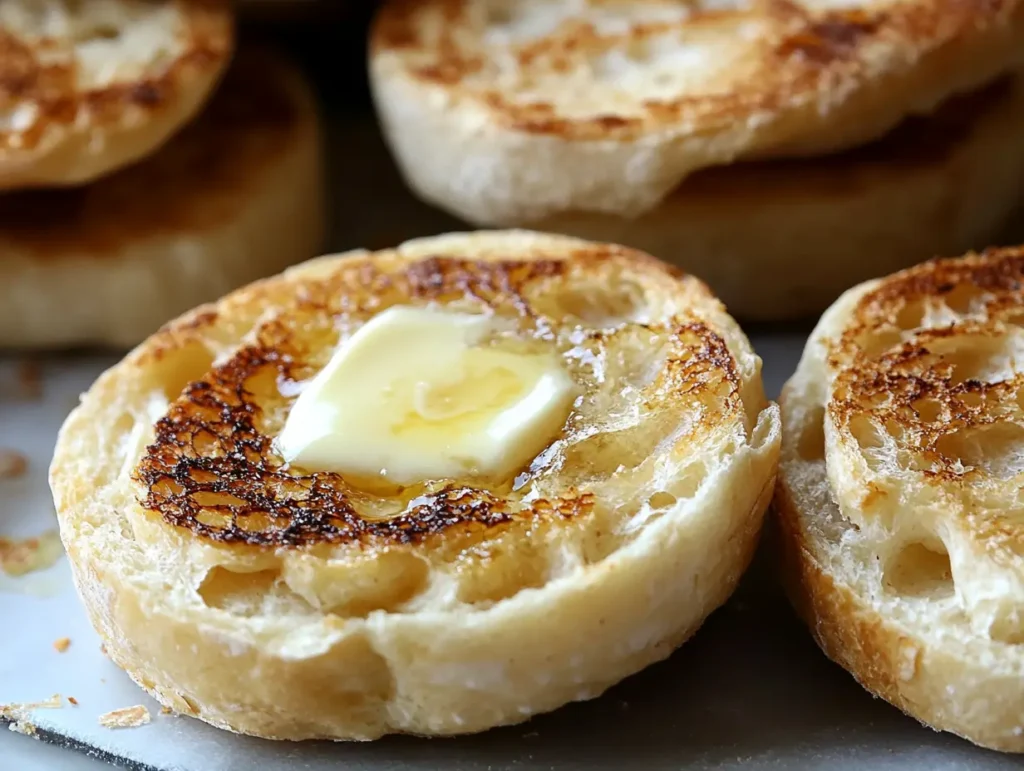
x,y
239,187
444,607
86,88
899,492
194,457
936,185
657,90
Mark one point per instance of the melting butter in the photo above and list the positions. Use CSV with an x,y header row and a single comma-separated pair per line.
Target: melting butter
x,y
418,394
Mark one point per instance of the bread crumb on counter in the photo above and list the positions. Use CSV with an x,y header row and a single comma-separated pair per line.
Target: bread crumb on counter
x,y
12,464
19,714
72,701
127,717
62,644
21,556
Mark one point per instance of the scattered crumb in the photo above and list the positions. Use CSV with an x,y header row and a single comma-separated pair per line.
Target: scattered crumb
x,y
166,710
19,714
129,717
103,648
30,379
12,464
72,701
23,727
62,644
25,556
11,711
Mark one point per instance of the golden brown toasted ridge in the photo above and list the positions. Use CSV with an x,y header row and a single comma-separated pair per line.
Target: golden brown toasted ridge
x,y
86,88
900,491
524,110
443,607
812,227
234,196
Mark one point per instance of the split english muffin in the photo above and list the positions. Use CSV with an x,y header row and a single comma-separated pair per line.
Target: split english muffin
x,y
898,505
236,195
673,128
426,490
88,87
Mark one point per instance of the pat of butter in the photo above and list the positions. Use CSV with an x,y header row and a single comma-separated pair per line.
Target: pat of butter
x,y
414,395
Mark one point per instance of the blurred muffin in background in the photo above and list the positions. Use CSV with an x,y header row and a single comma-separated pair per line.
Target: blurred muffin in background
x,y
237,195
781,156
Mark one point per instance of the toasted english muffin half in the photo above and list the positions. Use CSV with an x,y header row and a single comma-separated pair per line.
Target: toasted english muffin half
x,y
783,239
291,604
505,113
237,195
88,87
899,500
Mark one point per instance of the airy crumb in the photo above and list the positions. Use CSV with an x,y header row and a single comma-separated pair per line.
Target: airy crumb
x,y
12,464
72,701
129,717
62,644
25,556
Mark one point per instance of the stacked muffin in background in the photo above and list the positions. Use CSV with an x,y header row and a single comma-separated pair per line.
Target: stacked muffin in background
x,y
780,151
142,171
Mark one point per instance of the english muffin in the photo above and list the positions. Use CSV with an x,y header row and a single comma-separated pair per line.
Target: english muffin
x,y
427,490
509,112
86,88
898,507
235,196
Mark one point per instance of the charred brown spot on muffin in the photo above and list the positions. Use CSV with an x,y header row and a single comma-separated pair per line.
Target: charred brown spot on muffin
x,y
212,468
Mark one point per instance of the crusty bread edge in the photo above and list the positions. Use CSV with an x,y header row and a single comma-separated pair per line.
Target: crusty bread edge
x,y
939,689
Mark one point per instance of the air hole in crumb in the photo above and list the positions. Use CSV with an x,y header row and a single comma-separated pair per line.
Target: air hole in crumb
x,y
261,592
598,305
502,575
921,570
984,363
875,345
98,32
928,410
867,433
1009,628
997,449
689,482
811,445
911,316
662,500
213,519
205,498
963,298
226,589
178,367
393,579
